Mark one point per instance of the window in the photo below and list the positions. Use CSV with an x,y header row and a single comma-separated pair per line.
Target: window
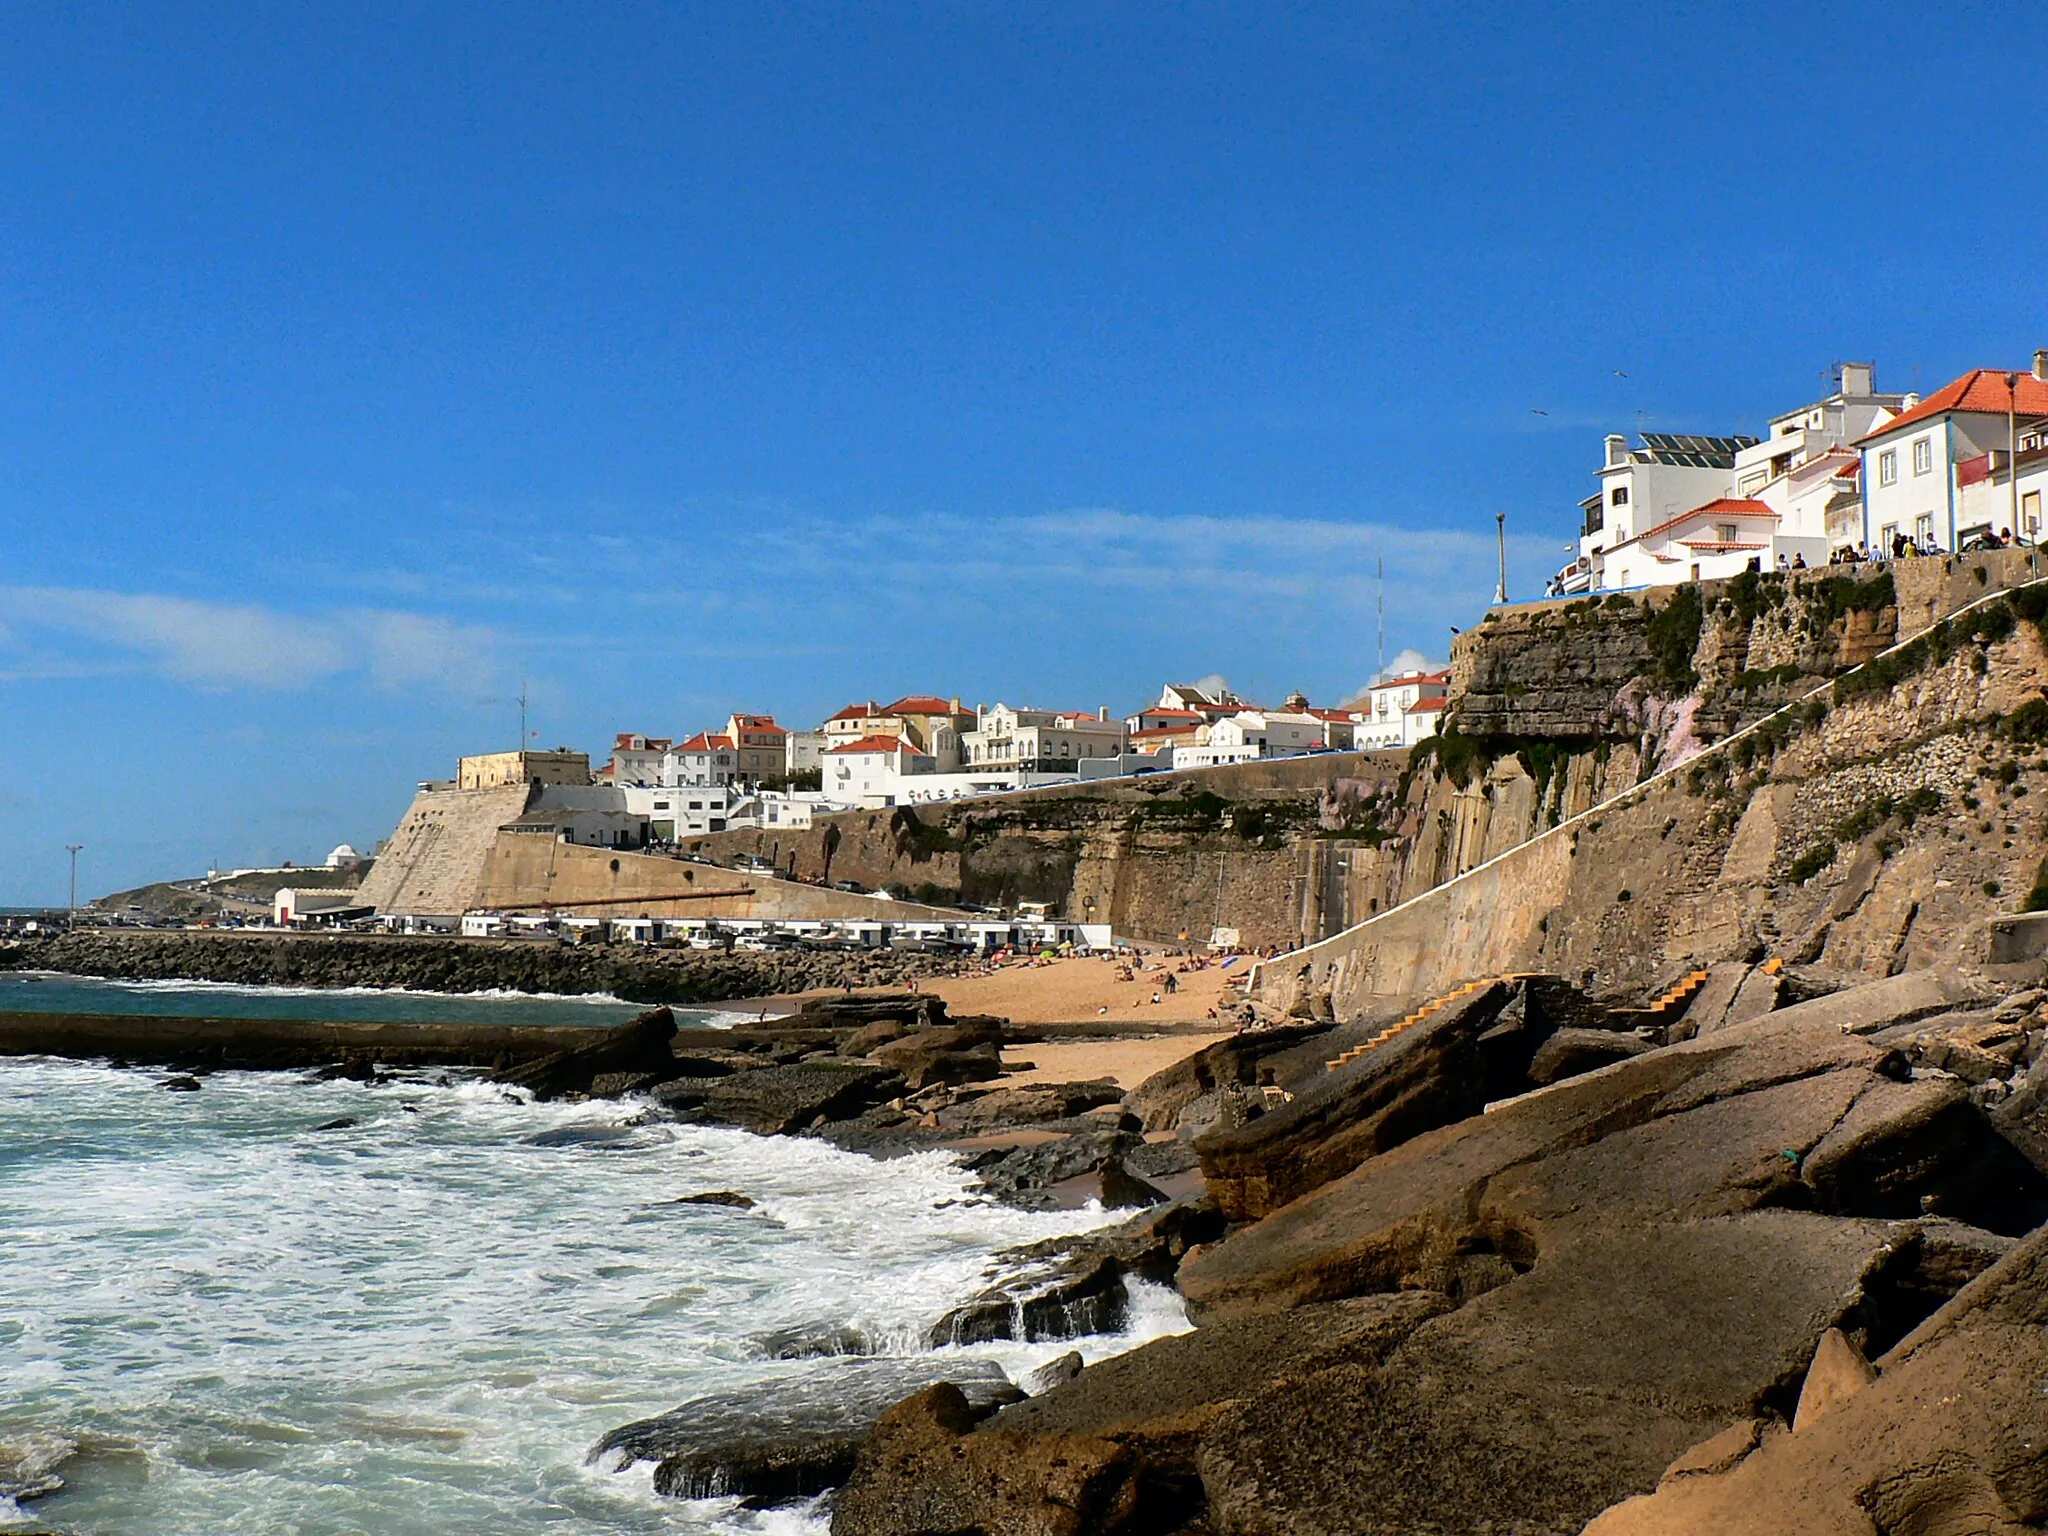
x,y
1888,467
1923,530
1620,497
2030,514
1923,456
1725,532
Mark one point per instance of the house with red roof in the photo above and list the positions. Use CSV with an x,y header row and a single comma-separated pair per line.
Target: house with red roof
x,y
929,723
1683,507
1914,472
703,759
1387,713
869,770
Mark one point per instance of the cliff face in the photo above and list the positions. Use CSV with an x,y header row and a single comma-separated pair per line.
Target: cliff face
x,y
1873,827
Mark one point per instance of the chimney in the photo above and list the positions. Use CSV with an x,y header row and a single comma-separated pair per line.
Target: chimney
x,y
2041,363
956,705
1617,449
1857,380
1102,711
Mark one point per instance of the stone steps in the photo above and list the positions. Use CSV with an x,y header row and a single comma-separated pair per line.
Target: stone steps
x,y
1435,1005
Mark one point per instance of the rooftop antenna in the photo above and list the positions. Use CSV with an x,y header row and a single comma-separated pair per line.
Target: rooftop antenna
x,y
522,716
1500,522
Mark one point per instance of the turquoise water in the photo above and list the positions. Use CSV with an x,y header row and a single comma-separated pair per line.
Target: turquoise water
x,y
422,1323
46,992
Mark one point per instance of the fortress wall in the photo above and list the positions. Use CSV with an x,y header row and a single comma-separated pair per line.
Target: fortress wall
x,y
434,861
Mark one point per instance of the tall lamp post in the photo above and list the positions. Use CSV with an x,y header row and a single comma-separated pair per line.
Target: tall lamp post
x,y
1500,522
2012,448
71,912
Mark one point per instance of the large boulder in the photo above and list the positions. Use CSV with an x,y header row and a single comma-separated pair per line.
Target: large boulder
x,y
1946,1438
1440,1070
1771,1113
946,1057
1115,1442
1540,1403
777,1100
790,1437
1030,1105
1237,1062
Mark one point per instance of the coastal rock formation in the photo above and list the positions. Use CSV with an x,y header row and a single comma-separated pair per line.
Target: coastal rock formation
x,y
1944,1436
631,1056
794,1436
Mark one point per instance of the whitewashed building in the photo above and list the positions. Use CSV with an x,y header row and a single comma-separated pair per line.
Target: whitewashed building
x,y
1385,710
677,811
703,759
1912,471
868,772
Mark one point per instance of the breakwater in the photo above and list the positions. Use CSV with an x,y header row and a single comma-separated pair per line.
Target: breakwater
x,y
424,964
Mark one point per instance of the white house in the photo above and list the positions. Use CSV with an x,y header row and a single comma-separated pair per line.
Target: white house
x,y
1421,719
703,759
870,771
1275,733
1384,710
1990,495
1041,740
677,811
637,759
774,810
1725,537
1642,488
1911,464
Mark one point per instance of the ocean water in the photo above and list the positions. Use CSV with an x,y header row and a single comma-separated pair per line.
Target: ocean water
x,y
48,992
423,1322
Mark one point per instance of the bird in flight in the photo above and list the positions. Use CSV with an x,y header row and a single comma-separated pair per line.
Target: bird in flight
x,y
1619,374
1534,412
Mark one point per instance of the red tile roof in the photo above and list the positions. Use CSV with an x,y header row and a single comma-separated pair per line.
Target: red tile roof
x,y
1426,707
1720,506
924,704
1982,390
862,711
704,742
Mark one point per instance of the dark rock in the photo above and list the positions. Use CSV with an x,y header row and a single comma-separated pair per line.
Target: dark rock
x,y
1025,1173
1161,1159
1112,1447
616,1085
640,1046
609,1138
881,1032
1059,1297
1068,1286
912,1010
813,1340
342,1123
778,1100
1569,1052
726,1197
1122,1190
1226,1109
920,1472
794,1436
1028,1106
180,1084
1430,1075
1061,1368
949,1056
1232,1063
29,1463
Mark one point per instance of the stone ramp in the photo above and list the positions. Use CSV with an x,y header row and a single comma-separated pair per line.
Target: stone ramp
x,y
435,861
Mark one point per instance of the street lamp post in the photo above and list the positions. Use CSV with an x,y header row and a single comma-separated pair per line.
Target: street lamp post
x,y
71,911
1500,522
2012,449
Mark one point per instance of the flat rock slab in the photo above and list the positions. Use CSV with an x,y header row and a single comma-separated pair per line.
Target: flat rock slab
x,y
793,1437
777,1100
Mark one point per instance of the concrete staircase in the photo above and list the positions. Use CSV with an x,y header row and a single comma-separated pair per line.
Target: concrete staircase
x,y
1675,1000
1434,1006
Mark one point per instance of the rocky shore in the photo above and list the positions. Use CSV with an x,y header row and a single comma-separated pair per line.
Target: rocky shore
x,y
636,973
1766,1257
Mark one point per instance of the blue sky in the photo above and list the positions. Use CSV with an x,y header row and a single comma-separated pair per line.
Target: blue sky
x,y
358,364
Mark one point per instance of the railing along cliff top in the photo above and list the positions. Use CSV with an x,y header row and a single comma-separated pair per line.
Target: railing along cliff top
x,y
1305,959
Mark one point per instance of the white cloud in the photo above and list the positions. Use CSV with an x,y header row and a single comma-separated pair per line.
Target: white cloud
x,y
220,645
1410,660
